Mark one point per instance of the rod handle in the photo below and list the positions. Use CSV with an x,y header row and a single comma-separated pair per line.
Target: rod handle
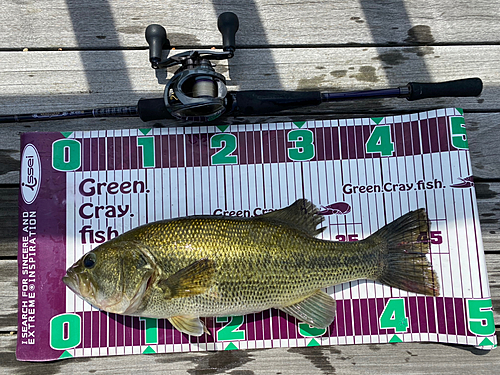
x,y
228,24
457,88
153,109
255,102
156,36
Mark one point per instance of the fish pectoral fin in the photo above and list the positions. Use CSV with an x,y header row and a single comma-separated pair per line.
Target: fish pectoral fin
x,y
190,281
190,325
301,215
318,310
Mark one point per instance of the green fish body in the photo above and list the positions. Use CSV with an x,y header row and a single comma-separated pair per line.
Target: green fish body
x,y
205,266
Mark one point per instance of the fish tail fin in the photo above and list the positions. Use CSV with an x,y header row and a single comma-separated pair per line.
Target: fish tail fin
x,y
403,262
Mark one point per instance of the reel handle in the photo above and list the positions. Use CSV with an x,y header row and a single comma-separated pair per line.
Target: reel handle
x,y
228,25
156,36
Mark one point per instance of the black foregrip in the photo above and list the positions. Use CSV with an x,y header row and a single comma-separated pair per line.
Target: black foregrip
x,y
153,109
458,88
256,102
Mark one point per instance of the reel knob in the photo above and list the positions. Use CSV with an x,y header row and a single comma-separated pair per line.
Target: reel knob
x,y
228,25
156,36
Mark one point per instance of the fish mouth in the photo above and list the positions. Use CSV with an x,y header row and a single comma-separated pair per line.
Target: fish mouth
x,y
79,284
72,281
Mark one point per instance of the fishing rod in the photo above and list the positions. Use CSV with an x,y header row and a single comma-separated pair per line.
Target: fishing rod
x,y
197,93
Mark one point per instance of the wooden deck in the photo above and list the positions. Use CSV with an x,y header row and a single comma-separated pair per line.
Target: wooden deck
x,y
62,54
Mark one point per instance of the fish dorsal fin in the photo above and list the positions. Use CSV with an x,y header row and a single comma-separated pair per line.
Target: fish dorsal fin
x,y
301,214
189,281
317,310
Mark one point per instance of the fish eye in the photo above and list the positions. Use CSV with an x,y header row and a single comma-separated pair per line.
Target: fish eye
x,y
89,260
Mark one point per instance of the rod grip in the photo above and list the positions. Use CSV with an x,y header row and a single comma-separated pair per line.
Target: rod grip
x,y
458,88
255,102
153,109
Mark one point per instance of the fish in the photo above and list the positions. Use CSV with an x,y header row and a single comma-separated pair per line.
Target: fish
x,y
194,267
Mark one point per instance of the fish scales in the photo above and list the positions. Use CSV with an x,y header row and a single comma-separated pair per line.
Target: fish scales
x,y
258,264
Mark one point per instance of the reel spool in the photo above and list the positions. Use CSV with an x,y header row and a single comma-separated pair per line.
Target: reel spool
x,y
196,92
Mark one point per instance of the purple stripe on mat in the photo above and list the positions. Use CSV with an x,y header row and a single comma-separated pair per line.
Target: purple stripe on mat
x,y
460,316
365,316
398,140
347,307
356,314
250,327
407,139
433,131
353,318
86,154
126,152
340,319
444,141
275,323
440,313
424,132
267,146
128,330
450,319
292,327
94,154
103,329
266,324
413,314
242,149
373,316
423,325
415,133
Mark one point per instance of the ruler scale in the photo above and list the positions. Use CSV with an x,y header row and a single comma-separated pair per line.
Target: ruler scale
x,y
361,173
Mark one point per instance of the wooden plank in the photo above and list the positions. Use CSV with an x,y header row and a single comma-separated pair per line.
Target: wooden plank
x,y
8,295
489,215
8,218
352,359
89,24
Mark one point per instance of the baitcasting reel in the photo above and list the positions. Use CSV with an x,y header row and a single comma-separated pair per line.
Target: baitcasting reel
x,y
196,92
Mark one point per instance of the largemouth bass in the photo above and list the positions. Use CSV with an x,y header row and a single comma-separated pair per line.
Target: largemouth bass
x,y
206,266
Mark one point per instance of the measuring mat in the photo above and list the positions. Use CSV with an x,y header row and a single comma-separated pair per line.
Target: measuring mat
x,y
80,189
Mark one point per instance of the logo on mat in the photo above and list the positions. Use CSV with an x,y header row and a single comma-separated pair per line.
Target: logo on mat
x,y
465,182
31,172
338,208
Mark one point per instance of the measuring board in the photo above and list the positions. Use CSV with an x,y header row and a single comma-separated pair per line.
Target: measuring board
x,y
79,189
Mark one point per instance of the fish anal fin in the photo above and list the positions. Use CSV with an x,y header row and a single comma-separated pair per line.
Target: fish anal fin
x,y
301,214
189,281
190,325
318,310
